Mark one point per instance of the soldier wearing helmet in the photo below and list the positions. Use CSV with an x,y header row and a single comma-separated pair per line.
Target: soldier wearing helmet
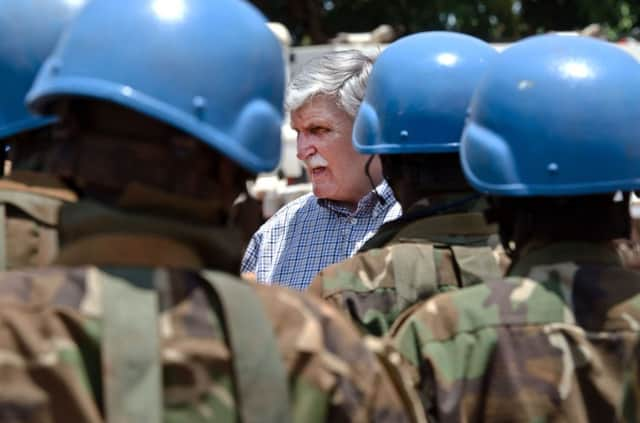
x,y
552,137
29,198
164,110
412,116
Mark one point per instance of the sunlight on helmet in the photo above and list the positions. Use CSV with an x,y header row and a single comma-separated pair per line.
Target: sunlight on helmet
x,y
577,70
75,3
126,91
447,59
170,10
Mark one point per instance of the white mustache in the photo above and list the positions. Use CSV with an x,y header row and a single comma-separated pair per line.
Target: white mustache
x,y
316,161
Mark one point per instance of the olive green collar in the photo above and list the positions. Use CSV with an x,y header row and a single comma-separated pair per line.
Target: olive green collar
x,y
561,252
88,228
432,220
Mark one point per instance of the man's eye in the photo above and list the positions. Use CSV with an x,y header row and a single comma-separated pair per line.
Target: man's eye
x,y
317,130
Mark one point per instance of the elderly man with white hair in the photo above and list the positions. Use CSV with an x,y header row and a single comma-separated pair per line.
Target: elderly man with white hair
x,y
330,224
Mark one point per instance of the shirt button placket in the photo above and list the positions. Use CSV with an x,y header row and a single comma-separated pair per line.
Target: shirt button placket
x,y
346,229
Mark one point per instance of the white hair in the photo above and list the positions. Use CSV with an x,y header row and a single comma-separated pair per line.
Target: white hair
x,y
342,74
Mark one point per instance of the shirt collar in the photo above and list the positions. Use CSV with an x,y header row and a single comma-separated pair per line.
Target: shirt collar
x,y
562,252
367,205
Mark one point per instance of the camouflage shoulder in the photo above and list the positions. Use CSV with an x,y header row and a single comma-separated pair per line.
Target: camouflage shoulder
x,y
372,288
547,295
428,267
363,272
524,338
332,368
51,320
511,301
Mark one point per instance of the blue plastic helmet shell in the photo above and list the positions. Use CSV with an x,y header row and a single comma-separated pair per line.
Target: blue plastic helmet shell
x,y
29,30
418,94
212,69
555,115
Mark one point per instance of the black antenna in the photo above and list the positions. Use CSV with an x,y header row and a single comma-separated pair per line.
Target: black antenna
x,y
373,186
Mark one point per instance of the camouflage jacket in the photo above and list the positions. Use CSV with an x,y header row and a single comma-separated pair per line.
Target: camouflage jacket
x,y
29,207
557,340
146,343
420,257
408,226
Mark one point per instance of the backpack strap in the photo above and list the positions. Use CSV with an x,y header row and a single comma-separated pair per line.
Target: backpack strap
x,y
260,377
131,362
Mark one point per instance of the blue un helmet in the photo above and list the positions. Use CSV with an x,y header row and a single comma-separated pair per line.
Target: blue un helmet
x,y
212,69
555,115
29,30
418,94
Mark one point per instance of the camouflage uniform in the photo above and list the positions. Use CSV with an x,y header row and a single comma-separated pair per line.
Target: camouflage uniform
x,y
558,340
411,259
130,327
29,205
56,334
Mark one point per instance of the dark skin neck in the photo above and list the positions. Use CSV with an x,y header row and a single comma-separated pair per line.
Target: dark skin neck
x,y
526,222
415,177
405,192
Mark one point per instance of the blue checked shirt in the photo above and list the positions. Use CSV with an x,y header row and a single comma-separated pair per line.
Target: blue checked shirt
x,y
309,234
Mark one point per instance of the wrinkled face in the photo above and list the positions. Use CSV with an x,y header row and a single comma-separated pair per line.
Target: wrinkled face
x,y
324,144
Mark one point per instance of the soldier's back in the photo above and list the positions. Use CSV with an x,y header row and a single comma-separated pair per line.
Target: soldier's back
x,y
77,343
425,257
560,344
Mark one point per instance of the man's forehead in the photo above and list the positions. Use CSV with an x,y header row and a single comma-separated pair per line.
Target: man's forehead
x,y
317,107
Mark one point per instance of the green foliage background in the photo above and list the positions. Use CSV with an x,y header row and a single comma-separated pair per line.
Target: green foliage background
x,y
316,21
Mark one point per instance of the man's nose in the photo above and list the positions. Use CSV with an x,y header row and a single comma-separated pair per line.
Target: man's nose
x,y
305,149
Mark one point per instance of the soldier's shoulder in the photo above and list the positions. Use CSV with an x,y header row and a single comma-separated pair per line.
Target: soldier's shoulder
x,y
378,268
331,356
307,325
511,301
548,295
363,272
298,311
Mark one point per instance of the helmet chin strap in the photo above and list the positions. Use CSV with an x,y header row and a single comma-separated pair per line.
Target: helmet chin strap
x,y
373,186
